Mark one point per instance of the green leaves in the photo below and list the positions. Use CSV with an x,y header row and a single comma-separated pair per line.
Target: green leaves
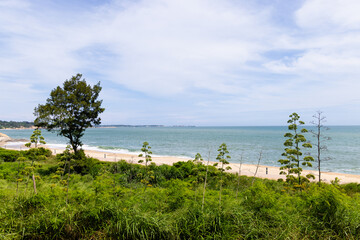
x,y
146,153
292,152
198,158
71,110
36,138
223,154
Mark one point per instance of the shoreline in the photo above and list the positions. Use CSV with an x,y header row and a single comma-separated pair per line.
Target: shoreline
x,y
263,171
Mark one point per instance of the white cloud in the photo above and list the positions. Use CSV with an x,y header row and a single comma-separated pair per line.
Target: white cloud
x,y
329,15
167,47
327,67
218,54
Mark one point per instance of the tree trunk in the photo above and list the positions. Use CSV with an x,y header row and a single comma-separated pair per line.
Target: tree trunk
x,y
238,185
257,167
207,169
319,149
222,167
34,183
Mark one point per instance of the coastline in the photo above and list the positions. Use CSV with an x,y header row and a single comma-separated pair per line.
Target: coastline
x,y
268,172
263,171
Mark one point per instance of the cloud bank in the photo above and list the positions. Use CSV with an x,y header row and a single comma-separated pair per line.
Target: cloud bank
x,y
185,62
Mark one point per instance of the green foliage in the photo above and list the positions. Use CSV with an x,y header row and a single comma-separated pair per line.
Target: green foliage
x,y
146,153
112,204
147,176
71,110
14,124
8,155
37,152
222,157
292,164
36,138
259,197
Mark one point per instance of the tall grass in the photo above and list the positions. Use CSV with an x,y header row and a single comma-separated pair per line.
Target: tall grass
x,y
109,202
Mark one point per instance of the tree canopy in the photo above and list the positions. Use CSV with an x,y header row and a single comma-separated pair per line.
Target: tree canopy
x,y
70,110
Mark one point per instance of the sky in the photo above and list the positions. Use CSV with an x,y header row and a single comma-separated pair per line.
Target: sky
x,y
186,62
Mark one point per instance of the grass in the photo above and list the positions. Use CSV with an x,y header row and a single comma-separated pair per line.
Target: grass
x,y
110,201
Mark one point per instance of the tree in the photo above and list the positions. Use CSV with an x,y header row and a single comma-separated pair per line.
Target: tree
x,y
148,175
70,110
319,120
222,157
291,165
146,153
36,138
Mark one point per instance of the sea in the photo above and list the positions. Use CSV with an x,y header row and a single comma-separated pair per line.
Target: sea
x,y
245,144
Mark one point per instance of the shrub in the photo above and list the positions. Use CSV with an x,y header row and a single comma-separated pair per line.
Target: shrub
x,y
9,155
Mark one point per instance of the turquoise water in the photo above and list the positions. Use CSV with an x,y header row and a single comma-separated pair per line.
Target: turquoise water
x,y
187,141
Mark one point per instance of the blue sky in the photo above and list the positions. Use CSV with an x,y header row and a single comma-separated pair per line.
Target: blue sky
x,y
186,62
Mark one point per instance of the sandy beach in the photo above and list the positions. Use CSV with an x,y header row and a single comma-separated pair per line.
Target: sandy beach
x,y
268,172
246,169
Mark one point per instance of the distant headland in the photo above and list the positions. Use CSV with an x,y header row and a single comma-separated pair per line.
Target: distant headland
x,y
122,125
16,125
30,125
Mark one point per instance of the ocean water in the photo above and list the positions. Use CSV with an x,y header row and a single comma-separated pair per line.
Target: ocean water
x,y
248,142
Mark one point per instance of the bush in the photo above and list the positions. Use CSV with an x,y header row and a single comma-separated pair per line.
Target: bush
x,y
9,155
327,207
351,188
37,154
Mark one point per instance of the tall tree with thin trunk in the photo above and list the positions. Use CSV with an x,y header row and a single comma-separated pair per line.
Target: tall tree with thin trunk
x,y
239,174
294,160
318,133
146,153
146,149
222,157
206,174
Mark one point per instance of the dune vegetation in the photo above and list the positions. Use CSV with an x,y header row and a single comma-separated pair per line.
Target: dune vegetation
x,y
71,196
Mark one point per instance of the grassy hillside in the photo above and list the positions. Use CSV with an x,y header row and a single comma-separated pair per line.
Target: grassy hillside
x,y
82,198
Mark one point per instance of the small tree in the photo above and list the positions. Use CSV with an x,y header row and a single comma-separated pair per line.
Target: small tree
x,y
36,138
293,162
196,172
319,120
239,174
71,110
20,170
198,158
223,157
146,153
30,170
148,175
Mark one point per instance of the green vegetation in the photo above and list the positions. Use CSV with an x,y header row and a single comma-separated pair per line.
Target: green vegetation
x,y
84,198
14,124
222,157
294,159
71,110
145,153
36,138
